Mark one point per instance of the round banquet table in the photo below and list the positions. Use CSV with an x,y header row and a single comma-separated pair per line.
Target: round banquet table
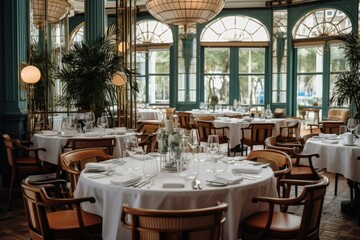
x,y
54,143
110,197
335,157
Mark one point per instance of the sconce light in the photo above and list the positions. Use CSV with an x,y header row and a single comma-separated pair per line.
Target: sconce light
x,y
30,74
123,47
119,79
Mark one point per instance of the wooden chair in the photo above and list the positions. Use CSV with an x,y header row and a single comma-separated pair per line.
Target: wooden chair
x,y
149,144
255,134
26,162
73,162
279,113
299,171
279,161
328,127
239,116
79,143
205,118
272,224
206,128
153,224
290,132
47,223
186,120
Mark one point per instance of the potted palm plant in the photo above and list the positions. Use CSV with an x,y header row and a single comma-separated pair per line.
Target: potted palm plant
x,y
347,85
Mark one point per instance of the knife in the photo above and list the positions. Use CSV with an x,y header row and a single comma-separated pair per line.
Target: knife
x,y
194,184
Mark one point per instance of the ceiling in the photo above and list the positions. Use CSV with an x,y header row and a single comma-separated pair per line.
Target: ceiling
x,y
78,5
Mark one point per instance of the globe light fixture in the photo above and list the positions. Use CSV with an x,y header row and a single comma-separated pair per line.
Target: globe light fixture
x,y
56,11
184,12
30,74
119,79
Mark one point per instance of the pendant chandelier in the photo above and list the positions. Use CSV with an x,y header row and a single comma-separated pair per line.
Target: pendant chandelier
x,y
184,12
56,11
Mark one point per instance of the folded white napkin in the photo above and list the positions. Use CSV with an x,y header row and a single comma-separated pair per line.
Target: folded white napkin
x,y
247,169
328,135
173,183
96,167
125,179
228,177
330,141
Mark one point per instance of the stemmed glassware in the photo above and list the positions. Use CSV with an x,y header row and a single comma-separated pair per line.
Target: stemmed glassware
x,y
89,118
357,133
150,170
102,122
351,124
212,148
194,139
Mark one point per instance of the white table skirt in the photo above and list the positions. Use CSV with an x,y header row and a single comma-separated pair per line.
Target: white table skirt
x,y
149,114
336,158
200,113
53,145
235,126
109,199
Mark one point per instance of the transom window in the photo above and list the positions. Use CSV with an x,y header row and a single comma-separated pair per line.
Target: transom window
x,y
322,23
153,40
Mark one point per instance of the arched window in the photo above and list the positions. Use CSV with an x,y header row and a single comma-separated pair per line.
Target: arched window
x,y
318,56
153,41
234,60
77,35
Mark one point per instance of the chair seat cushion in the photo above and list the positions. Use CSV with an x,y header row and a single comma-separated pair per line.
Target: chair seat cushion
x,y
66,222
302,172
283,225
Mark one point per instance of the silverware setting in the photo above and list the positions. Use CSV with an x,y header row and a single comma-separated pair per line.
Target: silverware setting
x,y
196,184
108,173
139,183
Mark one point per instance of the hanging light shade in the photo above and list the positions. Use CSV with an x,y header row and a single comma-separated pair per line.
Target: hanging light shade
x,y
184,12
30,74
56,11
119,79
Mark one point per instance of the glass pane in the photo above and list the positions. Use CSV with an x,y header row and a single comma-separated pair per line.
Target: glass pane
x,y
159,62
251,89
337,59
181,96
140,63
141,96
192,95
217,85
310,59
252,60
279,96
309,89
279,82
159,89
217,60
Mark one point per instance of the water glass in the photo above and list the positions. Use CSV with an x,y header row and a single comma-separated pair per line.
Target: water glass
x,y
194,139
192,169
342,130
150,170
220,162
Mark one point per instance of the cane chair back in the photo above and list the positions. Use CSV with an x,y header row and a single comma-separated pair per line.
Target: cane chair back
x,y
272,224
79,143
151,224
74,162
44,223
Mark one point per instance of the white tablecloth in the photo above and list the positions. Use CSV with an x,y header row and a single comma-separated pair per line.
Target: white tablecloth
x,y
149,114
200,113
235,126
336,158
109,198
53,145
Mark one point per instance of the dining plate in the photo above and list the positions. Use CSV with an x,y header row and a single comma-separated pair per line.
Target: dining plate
x,y
216,183
349,144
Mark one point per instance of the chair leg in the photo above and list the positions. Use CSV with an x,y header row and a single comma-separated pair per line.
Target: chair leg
x,y
13,178
336,183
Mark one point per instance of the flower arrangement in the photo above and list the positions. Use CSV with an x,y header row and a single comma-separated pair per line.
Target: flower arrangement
x,y
174,142
214,100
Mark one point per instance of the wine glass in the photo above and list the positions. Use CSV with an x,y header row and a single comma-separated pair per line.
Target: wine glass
x,y
351,124
102,122
194,139
150,170
212,148
89,118
131,145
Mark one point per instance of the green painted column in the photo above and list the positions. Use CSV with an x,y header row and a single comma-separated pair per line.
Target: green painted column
x,y
94,19
14,36
15,46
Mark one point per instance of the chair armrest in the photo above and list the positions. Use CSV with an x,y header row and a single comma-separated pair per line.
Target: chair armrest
x,y
28,149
